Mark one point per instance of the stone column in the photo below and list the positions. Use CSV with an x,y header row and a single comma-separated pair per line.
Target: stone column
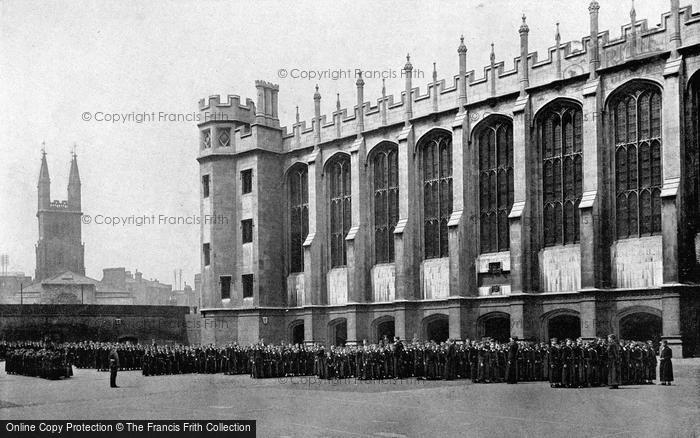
x,y
588,317
358,277
672,161
406,232
523,264
522,259
671,316
401,328
517,318
590,206
314,248
461,251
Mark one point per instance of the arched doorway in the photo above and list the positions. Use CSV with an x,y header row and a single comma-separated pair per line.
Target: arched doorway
x,y
564,326
338,331
297,332
437,328
494,325
497,328
641,326
385,329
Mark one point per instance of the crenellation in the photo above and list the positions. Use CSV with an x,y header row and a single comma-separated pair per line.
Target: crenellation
x,y
542,71
232,100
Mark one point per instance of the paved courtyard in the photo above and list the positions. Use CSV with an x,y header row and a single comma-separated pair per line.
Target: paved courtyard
x,y
304,407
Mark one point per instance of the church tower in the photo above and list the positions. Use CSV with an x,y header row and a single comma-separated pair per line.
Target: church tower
x,y
60,246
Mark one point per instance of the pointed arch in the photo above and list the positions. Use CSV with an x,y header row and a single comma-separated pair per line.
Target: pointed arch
x,y
494,142
297,177
559,133
435,149
339,189
384,177
634,111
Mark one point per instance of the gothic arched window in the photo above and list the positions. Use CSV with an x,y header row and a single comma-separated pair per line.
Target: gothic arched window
x,y
636,121
437,193
561,142
340,207
385,166
298,216
495,143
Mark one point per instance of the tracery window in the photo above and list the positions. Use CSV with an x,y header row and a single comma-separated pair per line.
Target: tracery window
x,y
495,142
561,143
437,193
298,216
636,115
385,166
340,208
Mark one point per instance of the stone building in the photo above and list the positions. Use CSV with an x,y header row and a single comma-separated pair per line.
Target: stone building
x,y
60,261
556,196
60,247
144,292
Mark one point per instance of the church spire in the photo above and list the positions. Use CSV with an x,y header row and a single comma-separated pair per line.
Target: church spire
x,y
74,183
44,186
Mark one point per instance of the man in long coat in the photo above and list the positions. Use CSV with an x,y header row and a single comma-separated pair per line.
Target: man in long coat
x,y
512,363
613,353
665,365
113,367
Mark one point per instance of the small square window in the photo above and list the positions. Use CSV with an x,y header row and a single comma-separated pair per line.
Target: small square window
x,y
225,281
247,181
205,186
247,230
206,254
224,136
247,281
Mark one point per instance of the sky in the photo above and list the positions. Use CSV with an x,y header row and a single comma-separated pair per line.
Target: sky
x,y
60,60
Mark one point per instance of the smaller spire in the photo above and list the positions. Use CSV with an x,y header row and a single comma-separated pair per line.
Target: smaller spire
x,y
297,113
557,36
43,149
408,66
74,175
434,72
317,95
633,13
493,54
594,6
523,27
337,101
462,48
383,87
360,82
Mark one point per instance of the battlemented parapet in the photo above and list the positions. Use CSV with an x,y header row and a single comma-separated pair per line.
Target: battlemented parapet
x,y
563,61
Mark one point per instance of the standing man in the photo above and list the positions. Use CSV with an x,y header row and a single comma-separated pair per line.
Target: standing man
x,y
613,353
113,367
665,364
512,363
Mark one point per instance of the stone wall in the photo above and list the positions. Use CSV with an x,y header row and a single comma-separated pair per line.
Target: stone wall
x,y
383,283
637,262
560,269
76,322
337,286
435,277
295,289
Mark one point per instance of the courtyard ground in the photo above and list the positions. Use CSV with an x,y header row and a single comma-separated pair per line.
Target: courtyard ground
x,y
306,407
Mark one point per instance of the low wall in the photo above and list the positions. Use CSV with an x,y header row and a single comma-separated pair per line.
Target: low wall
x,y
78,322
